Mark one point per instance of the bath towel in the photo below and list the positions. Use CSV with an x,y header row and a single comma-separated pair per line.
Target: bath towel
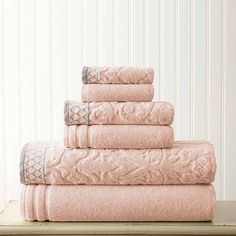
x,y
117,92
118,203
118,136
52,163
125,113
117,75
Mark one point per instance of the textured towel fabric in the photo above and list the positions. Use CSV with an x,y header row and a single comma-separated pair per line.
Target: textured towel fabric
x,y
117,92
118,203
52,163
123,113
117,75
118,136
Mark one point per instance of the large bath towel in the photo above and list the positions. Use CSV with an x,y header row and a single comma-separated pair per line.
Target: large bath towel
x,y
117,92
117,75
135,113
118,136
118,203
52,163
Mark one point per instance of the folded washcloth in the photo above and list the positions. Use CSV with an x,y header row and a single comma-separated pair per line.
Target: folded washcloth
x,y
117,75
118,136
118,203
123,113
52,163
117,92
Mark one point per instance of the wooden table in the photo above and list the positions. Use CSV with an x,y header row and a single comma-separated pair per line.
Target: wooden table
x,y
224,224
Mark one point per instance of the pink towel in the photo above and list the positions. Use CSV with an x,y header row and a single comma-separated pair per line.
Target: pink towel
x,y
117,75
123,113
118,136
117,92
118,203
52,163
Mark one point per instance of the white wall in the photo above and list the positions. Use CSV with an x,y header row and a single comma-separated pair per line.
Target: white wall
x,y
44,44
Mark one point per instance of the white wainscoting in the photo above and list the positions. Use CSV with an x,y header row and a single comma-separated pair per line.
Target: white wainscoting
x,y
45,43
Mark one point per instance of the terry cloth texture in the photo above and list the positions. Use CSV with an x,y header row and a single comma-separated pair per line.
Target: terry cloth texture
x,y
117,75
118,203
118,136
118,113
52,163
117,92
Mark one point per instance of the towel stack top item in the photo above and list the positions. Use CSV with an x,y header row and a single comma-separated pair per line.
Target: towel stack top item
x,y
119,161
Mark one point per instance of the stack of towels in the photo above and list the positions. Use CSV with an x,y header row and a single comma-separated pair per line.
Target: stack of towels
x,y
119,161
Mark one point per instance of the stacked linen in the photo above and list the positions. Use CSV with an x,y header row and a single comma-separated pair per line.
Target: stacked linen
x,y
119,161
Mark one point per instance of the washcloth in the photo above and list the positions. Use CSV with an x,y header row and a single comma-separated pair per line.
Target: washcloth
x,y
117,75
118,136
117,92
118,203
52,163
123,113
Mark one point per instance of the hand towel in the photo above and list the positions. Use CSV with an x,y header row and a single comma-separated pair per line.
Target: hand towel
x,y
118,203
123,113
117,75
52,163
118,136
117,92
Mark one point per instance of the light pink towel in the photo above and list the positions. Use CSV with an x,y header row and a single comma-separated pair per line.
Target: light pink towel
x,y
118,136
135,113
117,92
117,75
118,203
52,163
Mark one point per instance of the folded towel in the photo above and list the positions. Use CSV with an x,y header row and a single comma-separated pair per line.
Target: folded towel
x,y
117,92
117,75
118,136
52,163
118,203
133,113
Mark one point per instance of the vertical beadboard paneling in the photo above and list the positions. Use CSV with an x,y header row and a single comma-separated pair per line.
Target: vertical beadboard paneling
x,y
27,70
43,68
122,32
106,32
199,66
59,44
2,113
91,30
11,93
137,34
183,73
44,44
75,48
214,89
168,50
230,108
153,41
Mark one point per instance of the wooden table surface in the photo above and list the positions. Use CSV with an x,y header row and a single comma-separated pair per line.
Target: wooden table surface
x,y
223,224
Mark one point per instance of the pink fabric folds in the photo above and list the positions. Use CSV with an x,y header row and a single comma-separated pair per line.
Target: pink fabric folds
x,y
117,92
52,163
118,136
117,75
118,203
135,113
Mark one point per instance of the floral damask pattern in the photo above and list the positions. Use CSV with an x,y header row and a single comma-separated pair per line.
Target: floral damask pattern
x,y
153,113
117,75
186,163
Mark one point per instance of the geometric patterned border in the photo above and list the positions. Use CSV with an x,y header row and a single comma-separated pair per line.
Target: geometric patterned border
x,y
75,112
